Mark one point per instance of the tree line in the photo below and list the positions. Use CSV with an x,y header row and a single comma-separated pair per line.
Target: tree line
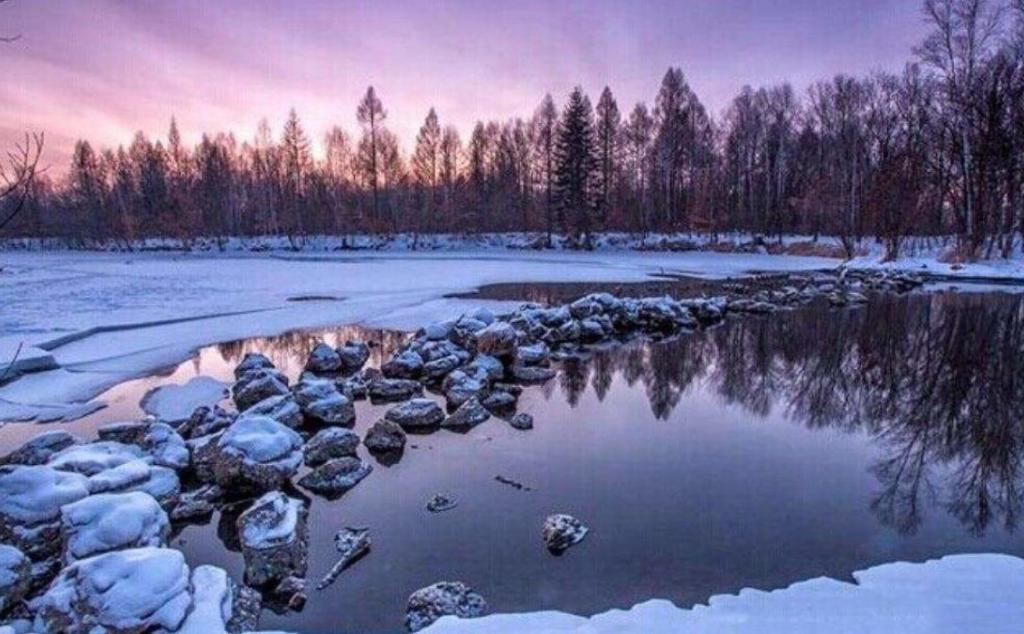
x,y
935,149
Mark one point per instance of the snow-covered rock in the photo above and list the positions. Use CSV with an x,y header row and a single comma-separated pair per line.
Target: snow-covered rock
x,y
15,576
89,459
417,414
497,340
120,592
460,386
469,414
522,420
333,442
532,373
533,354
282,408
391,390
175,403
322,403
336,476
252,361
30,501
219,605
353,355
438,368
205,421
499,402
323,359
443,598
254,453
200,502
407,364
40,448
560,531
112,521
158,440
273,536
161,483
257,385
384,436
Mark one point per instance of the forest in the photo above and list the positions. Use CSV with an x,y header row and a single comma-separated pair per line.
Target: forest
x,y
936,149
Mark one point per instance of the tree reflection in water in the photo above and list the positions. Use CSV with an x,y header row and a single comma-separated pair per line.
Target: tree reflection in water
x,y
937,380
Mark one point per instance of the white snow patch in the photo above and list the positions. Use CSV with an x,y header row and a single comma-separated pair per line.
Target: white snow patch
x,y
175,403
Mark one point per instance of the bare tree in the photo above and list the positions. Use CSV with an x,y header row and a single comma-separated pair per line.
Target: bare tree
x,y
17,176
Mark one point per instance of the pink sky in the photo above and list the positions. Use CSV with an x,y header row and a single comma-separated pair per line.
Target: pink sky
x,y
102,69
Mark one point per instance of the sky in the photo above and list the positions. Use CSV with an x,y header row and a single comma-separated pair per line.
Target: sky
x,y
103,69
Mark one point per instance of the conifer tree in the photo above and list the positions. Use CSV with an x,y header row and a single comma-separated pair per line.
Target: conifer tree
x,y
576,165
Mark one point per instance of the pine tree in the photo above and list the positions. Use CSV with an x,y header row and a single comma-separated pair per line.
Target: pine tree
x,y
576,164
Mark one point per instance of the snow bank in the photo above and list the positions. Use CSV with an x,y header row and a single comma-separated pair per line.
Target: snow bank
x,y
958,594
175,403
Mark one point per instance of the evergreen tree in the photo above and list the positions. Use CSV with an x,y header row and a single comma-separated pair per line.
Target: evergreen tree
x,y
576,165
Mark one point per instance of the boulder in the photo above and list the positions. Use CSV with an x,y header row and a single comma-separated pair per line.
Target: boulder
x,y
532,373
283,408
460,386
40,448
353,355
252,361
417,414
197,503
323,359
254,453
522,420
391,390
497,340
30,502
272,533
111,521
257,385
91,458
560,531
120,592
384,436
220,605
322,404
533,354
499,402
139,475
333,442
206,420
407,364
15,577
469,414
159,441
445,598
438,368
336,476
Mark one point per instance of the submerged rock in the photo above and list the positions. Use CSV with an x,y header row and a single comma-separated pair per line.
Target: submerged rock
x,y
561,531
122,592
272,533
384,436
112,521
40,448
337,476
416,415
353,544
333,442
439,503
522,420
444,598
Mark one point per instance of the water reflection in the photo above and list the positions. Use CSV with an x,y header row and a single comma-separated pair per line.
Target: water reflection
x,y
935,379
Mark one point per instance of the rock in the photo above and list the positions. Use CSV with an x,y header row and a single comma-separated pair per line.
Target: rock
x,y
323,359
533,354
257,385
497,340
40,448
205,421
460,386
322,403
391,390
337,476
444,598
254,453
89,459
469,414
500,402
404,365
439,503
384,436
252,361
283,408
416,415
272,533
197,503
139,475
120,592
353,544
438,330
561,531
333,442
292,592
219,605
438,368
15,577
158,440
522,420
532,373
486,367
353,355
112,521
30,502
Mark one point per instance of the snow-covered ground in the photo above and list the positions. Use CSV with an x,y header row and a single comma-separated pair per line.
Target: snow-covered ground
x,y
96,319
959,594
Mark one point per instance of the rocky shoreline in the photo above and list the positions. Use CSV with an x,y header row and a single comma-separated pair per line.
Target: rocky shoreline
x,y
80,520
